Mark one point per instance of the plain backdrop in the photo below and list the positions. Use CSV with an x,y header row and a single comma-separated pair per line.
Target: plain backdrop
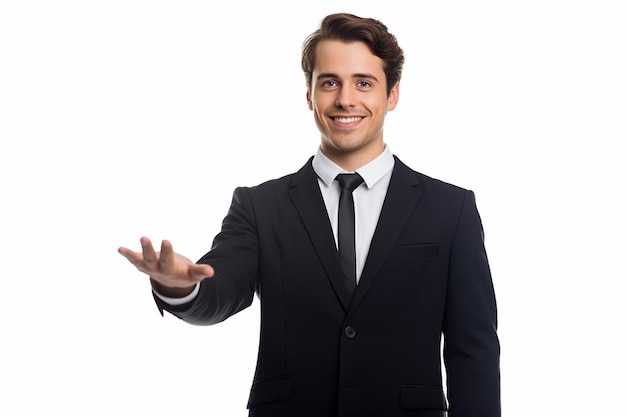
x,y
120,119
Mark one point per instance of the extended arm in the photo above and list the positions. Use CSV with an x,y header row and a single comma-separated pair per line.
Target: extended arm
x,y
232,283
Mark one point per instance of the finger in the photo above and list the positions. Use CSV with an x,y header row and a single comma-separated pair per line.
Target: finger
x,y
149,255
198,272
135,258
132,256
166,257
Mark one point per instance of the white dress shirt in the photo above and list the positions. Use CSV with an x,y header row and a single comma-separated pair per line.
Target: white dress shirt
x,y
368,203
368,197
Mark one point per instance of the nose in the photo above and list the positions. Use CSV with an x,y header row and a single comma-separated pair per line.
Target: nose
x,y
345,97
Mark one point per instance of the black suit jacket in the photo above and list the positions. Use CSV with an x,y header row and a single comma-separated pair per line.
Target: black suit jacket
x,y
324,354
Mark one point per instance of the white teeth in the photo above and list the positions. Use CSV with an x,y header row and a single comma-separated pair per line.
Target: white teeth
x,y
347,119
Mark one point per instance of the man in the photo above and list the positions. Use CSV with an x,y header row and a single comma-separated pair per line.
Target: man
x,y
351,318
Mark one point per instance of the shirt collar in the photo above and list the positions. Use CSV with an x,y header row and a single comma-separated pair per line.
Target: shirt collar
x,y
371,172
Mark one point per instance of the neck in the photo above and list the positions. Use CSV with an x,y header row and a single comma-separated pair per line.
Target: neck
x,y
352,160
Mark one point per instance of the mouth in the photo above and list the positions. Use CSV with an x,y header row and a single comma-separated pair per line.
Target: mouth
x,y
347,120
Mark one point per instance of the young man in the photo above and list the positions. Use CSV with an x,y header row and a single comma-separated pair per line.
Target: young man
x,y
351,316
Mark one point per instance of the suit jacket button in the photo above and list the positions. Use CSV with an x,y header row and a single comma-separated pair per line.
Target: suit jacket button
x,y
350,332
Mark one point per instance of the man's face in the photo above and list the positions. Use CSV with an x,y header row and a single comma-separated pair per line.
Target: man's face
x,y
348,97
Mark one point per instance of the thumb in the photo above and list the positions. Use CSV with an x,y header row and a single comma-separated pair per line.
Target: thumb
x,y
198,272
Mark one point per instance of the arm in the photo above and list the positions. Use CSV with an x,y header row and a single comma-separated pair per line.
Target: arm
x,y
235,258
231,266
471,349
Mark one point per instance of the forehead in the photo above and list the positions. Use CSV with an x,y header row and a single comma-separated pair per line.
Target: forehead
x,y
339,57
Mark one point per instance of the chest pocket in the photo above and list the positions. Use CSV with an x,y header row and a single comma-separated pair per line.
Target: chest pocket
x,y
419,250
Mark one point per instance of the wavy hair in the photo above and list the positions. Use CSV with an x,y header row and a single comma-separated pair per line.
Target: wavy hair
x,y
350,28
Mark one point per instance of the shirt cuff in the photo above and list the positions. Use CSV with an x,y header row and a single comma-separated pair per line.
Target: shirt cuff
x,y
179,300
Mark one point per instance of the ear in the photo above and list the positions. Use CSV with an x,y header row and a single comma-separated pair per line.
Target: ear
x,y
394,95
308,99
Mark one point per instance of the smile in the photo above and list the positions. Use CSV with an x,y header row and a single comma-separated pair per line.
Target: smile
x,y
347,120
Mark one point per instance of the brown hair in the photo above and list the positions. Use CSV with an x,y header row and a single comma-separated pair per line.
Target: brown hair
x,y
350,28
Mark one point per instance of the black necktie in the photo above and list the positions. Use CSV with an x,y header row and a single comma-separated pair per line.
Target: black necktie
x,y
345,227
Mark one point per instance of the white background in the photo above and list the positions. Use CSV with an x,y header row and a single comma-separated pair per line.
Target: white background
x,y
118,119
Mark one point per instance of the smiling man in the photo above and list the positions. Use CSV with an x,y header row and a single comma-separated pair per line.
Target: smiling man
x,y
361,264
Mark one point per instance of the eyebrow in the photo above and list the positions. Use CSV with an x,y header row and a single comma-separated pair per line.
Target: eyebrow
x,y
358,75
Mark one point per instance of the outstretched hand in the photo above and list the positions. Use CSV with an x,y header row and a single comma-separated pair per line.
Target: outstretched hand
x,y
169,269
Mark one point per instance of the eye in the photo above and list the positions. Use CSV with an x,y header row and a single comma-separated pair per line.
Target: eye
x,y
364,84
329,83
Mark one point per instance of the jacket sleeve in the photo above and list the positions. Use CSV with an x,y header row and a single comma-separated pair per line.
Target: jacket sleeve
x,y
471,346
234,257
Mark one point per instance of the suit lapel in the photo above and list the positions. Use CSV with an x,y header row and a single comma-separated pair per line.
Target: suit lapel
x,y
307,198
402,196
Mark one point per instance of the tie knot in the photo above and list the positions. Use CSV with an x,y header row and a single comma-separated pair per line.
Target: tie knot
x,y
349,181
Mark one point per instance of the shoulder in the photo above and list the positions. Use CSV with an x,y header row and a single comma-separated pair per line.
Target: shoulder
x,y
281,185
428,183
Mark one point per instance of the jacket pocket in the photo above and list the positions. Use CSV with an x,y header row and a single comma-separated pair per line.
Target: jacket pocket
x,y
422,397
422,250
269,391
